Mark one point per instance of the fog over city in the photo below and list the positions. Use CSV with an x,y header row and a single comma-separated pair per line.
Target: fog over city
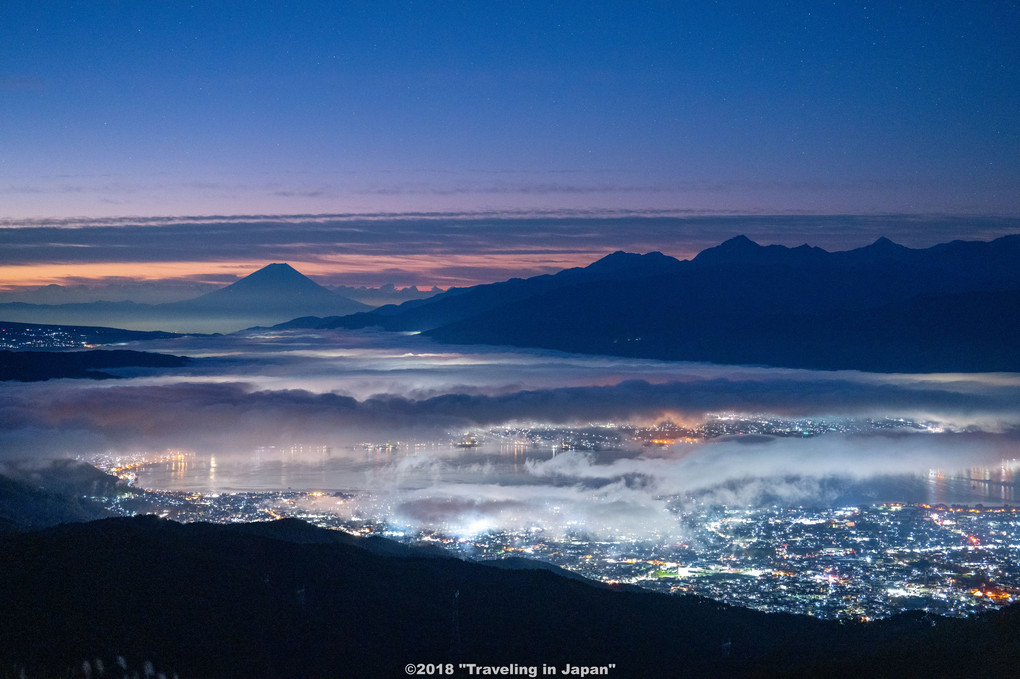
x,y
245,399
636,496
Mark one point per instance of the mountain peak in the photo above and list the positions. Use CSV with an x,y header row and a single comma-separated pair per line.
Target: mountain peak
x,y
738,245
885,245
738,248
278,285
620,261
616,259
278,271
742,251
276,279
742,242
882,249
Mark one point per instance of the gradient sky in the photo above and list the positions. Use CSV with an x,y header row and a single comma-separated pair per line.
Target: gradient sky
x,y
114,109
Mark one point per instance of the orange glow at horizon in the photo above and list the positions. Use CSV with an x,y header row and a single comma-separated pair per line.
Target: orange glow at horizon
x,y
440,270
13,277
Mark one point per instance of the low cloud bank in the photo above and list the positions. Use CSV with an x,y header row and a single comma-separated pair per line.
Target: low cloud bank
x,y
56,418
643,498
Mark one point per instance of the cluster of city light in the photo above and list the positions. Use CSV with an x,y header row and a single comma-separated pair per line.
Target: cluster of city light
x,y
862,562
125,466
44,337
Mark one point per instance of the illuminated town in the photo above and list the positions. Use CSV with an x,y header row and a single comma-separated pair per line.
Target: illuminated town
x,y
851,562
22,337
861,561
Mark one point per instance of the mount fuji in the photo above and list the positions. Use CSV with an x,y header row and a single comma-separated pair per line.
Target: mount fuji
x,y
274,293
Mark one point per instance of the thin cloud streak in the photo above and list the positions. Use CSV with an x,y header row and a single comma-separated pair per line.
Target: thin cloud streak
x,y
225,417
413,249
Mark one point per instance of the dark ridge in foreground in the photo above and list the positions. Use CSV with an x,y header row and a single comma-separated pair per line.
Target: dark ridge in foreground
x,y
36,366
43,493
287,600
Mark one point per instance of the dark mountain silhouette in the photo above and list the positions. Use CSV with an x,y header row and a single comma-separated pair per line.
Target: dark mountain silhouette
x,y
275,600
24,506
31,335
36,366
273,287
883,307
270,295
461,303
41,493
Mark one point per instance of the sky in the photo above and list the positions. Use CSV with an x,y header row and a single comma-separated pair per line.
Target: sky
x,y
134,135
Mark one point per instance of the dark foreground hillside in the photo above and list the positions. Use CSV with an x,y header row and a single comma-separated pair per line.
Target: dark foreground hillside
x,y
36,366
287,600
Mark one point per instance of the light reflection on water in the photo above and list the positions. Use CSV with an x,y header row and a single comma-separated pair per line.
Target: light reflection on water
x,y
323,468
982,484
425,465
985,486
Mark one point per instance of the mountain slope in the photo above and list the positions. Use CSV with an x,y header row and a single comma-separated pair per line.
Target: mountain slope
x,y
882,307
737,272
273,287
460,303
961,332
38,494
271,601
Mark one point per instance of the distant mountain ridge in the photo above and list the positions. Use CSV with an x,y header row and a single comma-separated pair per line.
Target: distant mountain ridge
x,y
267,296
460,303
27,335
883,307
